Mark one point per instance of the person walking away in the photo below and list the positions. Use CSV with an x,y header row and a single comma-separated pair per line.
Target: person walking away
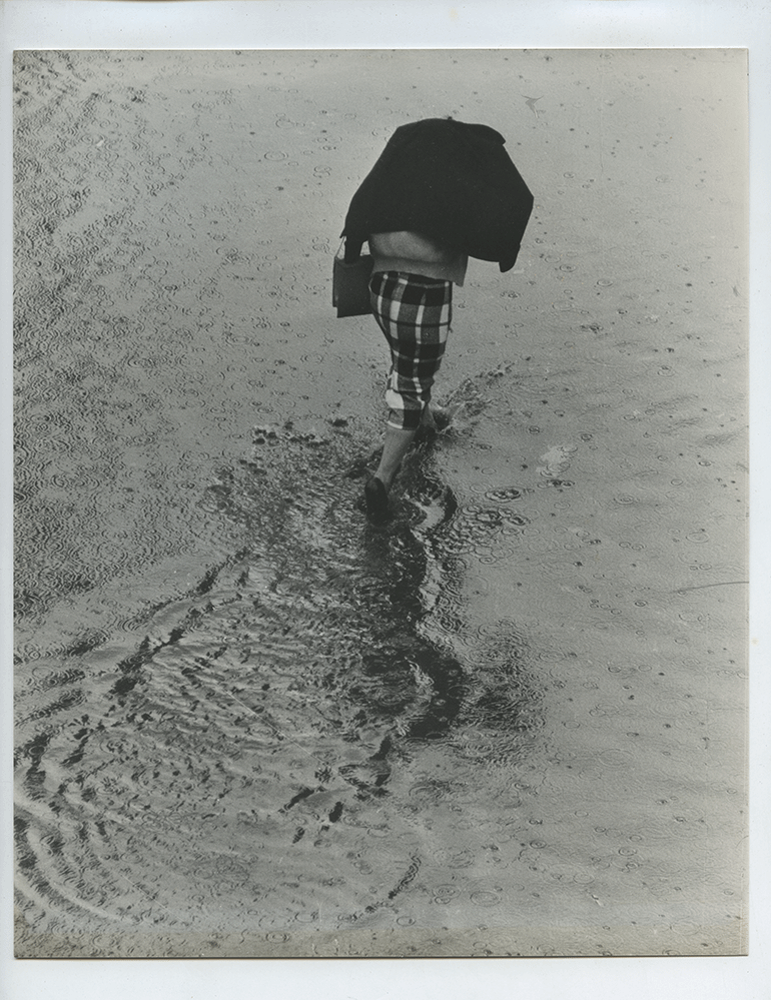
x,y
441,191
411,295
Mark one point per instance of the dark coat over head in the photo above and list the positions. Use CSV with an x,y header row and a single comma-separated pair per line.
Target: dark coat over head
x,y
450,181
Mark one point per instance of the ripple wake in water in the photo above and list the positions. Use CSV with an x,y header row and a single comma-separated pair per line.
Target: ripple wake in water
x,y
272,712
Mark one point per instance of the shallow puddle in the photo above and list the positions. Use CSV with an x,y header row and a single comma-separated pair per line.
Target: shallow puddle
x,y
511,721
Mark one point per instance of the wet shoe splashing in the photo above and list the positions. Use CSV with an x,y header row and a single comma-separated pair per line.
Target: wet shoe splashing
x,y
376,501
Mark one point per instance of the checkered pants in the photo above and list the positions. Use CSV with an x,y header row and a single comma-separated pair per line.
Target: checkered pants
x,y
414,313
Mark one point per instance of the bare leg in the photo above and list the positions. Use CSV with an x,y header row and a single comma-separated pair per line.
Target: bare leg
x,y
395,447
436,418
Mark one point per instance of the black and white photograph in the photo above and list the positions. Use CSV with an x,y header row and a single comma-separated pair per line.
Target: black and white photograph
x,y
413,626
381,562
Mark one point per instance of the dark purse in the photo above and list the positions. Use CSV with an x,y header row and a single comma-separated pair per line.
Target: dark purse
x,y
350,285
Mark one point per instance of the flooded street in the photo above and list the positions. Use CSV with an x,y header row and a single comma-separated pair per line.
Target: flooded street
x,y
248,723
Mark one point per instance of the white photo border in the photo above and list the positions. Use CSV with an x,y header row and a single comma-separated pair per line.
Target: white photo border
x,y
341,24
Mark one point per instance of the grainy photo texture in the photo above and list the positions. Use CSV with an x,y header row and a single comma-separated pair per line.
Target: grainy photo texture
x,y
276,699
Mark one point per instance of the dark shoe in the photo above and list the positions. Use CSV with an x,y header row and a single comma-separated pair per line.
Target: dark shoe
x,y
376,499
442,419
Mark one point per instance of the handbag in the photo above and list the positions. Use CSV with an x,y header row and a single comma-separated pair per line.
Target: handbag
x,y
350,284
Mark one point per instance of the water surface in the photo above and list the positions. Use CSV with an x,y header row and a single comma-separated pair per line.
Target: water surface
x,y
248,723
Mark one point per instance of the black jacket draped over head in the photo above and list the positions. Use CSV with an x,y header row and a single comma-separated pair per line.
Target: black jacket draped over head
x,y
447,180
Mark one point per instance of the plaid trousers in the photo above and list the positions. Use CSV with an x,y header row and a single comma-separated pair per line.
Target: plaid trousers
x,y
414,312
